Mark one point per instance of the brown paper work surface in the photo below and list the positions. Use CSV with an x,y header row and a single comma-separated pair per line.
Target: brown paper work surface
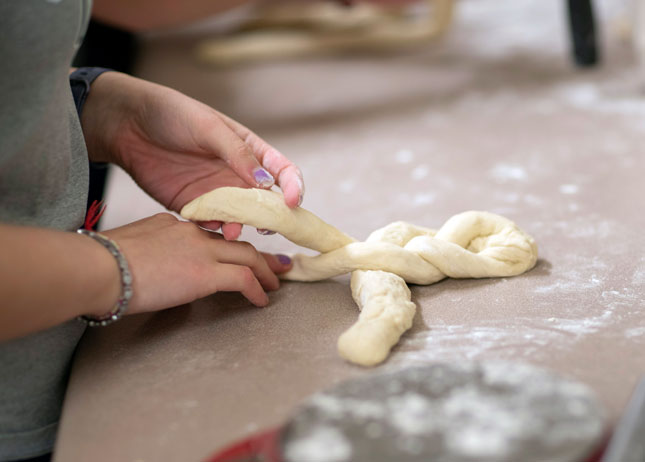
x,y
417,137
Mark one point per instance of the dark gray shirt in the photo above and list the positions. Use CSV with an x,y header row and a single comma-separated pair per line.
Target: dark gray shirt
x,y
43,182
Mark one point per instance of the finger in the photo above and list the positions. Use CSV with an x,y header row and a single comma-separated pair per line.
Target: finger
x,y
288,176
223,141
231,231
278,263
235,278
243,253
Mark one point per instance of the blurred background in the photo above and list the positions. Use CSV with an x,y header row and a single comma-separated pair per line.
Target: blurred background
x,y
348,91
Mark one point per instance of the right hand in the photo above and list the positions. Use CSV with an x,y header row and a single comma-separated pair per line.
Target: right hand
x,y
177,148
174,262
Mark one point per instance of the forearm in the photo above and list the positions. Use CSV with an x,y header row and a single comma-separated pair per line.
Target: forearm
x,y
49,277
109,103
142,15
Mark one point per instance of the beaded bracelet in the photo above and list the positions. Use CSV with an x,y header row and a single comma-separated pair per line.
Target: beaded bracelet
x,y
126,282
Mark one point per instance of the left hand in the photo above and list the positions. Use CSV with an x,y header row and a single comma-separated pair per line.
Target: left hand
x,y
177,148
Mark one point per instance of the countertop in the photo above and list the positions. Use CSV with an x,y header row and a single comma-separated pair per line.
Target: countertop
x,y
480,121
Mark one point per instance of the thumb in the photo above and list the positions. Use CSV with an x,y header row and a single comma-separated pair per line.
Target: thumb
x,y
237,154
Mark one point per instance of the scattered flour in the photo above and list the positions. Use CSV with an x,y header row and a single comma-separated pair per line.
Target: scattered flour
x,y
404,156
635,332
570,285
411,414
488,411
337,408
420,172
423,199
251,427
582,227
568,189
588,96
511,198
507,172
638,278
456,341
347,186
323,444
482,436
526,337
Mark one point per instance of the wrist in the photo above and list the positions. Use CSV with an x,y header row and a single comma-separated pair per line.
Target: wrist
x,y
121,305
104,112
105,295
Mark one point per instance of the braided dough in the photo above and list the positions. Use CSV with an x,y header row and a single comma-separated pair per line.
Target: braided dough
x,y
468,245
312,28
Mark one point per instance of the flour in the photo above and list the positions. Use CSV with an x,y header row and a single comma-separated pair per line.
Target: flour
x,y
638,278
404,156
635,332
582,227
424,198
347,407
589,96
527,337
569,189
532,200
347,186
324,444
507,172
576,285
251,427
411,414
459,411
419,172
509,197
455,341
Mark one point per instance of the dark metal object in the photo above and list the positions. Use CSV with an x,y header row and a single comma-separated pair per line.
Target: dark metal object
x,y
628,442
583,32
491,411
485,412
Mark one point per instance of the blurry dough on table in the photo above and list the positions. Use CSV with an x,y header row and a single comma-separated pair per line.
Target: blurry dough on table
x,y
294,29
468,245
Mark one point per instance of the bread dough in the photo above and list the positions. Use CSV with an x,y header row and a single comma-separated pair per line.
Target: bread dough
x,y
319,28
469,245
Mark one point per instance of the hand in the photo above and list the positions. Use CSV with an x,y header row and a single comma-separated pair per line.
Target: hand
x,y
174,262
177,148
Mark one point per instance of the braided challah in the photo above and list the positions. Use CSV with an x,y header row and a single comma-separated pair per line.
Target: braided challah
x,y
468,245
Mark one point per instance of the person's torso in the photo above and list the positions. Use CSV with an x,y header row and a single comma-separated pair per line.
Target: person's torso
x,y
43,182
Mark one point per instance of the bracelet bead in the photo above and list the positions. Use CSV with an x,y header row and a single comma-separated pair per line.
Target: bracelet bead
x,y
121,305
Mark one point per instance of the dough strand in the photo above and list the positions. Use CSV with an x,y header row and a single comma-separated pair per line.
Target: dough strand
x,y
469,245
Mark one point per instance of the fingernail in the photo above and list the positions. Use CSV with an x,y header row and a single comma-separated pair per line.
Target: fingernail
x,y
263,178
265,232
301,185
284,259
